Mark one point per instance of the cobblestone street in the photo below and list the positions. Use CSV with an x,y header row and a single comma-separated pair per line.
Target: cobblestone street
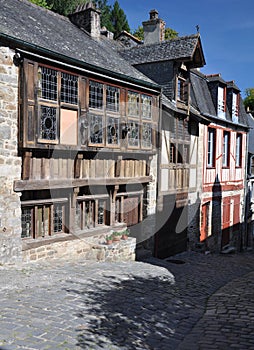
x,y
193,301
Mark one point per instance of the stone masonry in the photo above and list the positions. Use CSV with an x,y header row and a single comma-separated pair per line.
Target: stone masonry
x,y
10,163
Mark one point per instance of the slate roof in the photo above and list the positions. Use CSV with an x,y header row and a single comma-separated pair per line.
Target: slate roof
x,y
43,29
200,94
202,99
174,49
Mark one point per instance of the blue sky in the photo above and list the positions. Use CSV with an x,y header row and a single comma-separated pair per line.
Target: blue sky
x,y
226,29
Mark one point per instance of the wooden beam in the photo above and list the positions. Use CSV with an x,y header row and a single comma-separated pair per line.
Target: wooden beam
x,y
34,185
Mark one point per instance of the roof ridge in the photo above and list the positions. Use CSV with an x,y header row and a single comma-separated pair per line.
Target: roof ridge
x,y
162,43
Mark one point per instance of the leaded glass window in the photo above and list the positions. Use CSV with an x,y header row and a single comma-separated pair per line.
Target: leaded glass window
x,y
101,210
95,94
112,98
113,131
133,103
133,134
26,222
69,88
58,218
48,125
146,106
146,135
47,83
96,131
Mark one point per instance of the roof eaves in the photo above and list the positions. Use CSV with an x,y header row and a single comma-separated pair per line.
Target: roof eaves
x,y
20,44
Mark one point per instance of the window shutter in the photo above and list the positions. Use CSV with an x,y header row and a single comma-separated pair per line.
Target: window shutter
x,y
29,106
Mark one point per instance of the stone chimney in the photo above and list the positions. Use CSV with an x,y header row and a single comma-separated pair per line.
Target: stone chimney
x,y
87,18
154,29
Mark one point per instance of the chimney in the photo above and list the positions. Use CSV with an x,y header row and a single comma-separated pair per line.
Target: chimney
x,y
87,18
154,29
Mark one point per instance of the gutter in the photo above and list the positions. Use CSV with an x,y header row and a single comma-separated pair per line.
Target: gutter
x,y
225,121
36,51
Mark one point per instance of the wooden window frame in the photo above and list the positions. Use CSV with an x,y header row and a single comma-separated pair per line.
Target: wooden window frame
x,y
211,147
238,150
226,149
86,220
42,223
58,103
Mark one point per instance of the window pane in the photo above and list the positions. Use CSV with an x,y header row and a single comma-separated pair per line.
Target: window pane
x,y
235,107
113,131
69,88
146,135
48,127
58,218
133,134
112,98
101,212
221,102
133,103
238,157
26,222
47,83
146,107
96,132
95,95
225,156
211,147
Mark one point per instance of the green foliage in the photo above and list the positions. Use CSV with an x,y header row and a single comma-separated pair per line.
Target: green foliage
x,y
139,33
249,100
169,33
118,20
41,3
65,7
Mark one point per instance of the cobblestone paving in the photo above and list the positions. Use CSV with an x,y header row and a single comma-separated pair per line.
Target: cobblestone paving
x,y
194,301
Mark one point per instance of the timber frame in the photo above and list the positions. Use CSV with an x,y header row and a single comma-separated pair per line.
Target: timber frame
x,y
86,145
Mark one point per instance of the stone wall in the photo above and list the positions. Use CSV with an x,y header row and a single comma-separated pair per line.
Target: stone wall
x,y
10,163
92,248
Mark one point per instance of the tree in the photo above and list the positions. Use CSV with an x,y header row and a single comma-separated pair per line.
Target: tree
x,y
64,7
169,33
105,9
41,3
118,20
249,100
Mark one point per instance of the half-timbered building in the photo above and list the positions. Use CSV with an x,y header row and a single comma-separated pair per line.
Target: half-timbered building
x,y
179,171
222,201
78,131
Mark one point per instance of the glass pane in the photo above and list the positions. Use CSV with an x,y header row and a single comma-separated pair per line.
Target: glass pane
x,y
26,222
47,83
48,127
69,88
133,103
96,132
112,98
146,106
58,218
101,208
113,131
95,95
133,134
146,135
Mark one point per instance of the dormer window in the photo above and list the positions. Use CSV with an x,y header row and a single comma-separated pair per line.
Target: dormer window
x,y
235,106
182,91
221,102
182,87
